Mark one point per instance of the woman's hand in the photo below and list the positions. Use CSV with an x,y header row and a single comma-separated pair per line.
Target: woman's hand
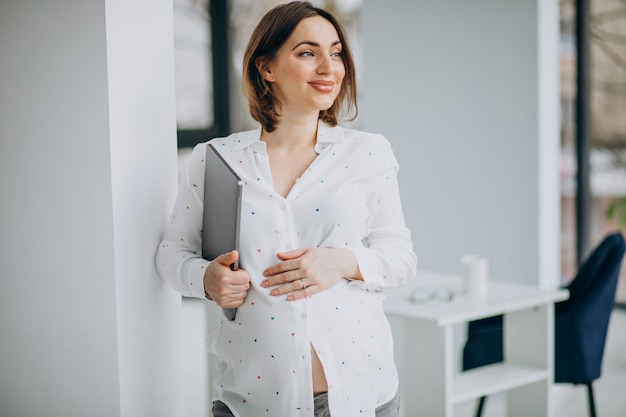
x,y
226,287
304,272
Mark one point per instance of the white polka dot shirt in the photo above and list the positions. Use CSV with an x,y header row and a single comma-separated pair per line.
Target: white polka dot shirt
x,y
347,198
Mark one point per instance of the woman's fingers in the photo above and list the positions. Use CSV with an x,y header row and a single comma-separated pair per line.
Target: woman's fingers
x,y
306,291
235,299
226,287
291,277
295,290
228,258
303,272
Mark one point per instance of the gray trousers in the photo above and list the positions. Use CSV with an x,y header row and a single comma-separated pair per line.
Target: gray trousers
x,y
390,409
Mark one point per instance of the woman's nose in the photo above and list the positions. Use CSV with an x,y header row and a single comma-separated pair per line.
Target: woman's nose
x,y
324,65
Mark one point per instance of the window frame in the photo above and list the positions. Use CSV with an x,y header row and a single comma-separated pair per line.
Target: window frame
x,y
219,18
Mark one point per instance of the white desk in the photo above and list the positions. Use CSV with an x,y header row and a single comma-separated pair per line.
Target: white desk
x,y
431,387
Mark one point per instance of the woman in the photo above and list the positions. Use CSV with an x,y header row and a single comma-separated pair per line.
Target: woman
x,y
322,232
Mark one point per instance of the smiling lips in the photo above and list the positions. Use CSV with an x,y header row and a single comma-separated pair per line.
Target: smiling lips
x,y
322,85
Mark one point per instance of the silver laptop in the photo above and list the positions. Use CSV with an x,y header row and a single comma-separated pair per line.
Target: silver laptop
x,y
222,210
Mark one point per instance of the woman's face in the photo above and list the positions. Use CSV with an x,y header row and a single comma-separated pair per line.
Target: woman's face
x,y
308,69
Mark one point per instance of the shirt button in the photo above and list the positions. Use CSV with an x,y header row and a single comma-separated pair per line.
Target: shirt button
x,y
303,315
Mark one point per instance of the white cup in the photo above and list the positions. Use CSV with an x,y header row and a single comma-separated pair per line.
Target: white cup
x,y
475,275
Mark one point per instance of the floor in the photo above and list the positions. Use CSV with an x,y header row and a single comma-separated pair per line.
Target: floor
x,y
570,400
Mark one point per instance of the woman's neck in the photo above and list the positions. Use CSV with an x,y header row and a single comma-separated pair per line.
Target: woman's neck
x,y
290,135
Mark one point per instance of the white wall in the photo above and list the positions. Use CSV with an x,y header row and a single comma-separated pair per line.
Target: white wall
x,y
467,92
87,178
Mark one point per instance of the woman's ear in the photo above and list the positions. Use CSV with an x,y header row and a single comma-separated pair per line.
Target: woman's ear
x,y
264,69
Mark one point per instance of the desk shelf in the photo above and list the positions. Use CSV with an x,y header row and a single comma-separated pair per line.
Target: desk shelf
x,y
495,378
433,386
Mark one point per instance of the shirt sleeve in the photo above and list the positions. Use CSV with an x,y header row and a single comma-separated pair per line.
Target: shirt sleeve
x,y
387,258
179,256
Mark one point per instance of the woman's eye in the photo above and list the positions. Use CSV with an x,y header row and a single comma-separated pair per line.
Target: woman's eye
x,y
338,54
306,53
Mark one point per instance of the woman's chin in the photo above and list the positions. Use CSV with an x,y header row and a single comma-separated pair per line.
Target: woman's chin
x,y
325,105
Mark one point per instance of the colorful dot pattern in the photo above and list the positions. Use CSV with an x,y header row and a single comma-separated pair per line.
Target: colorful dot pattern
x,y
347,198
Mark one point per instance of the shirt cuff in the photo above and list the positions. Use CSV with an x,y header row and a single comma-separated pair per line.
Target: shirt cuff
x,y
368,266
195,278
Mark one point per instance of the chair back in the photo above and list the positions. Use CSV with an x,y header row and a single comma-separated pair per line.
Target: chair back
x,y
581,321
484,344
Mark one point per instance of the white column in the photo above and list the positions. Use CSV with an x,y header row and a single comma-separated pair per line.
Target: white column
x,y
140,69
87,178
549,247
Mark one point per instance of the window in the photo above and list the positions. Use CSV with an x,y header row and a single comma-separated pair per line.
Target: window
x,y
201,67
606,152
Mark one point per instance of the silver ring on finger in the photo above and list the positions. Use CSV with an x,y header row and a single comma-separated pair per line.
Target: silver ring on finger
x,y
304,285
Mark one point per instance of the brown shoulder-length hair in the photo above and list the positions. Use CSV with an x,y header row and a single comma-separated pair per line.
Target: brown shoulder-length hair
x,y
268,37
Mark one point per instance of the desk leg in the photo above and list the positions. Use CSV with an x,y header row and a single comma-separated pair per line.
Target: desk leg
x,y
427,378
528,340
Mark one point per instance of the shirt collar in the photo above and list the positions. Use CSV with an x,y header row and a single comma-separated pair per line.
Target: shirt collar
x,y
325,135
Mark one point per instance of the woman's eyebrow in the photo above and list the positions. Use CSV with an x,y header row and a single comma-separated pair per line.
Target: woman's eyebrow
x,y
314,44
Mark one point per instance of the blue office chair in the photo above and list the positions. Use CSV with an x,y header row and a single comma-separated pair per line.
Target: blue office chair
x,y
580,326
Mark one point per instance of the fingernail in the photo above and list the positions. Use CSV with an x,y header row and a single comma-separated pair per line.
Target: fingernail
x,y
274,292
265,284
290,298
266,273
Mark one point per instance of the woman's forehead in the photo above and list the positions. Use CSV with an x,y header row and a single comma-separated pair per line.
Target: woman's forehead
x,y
315,29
